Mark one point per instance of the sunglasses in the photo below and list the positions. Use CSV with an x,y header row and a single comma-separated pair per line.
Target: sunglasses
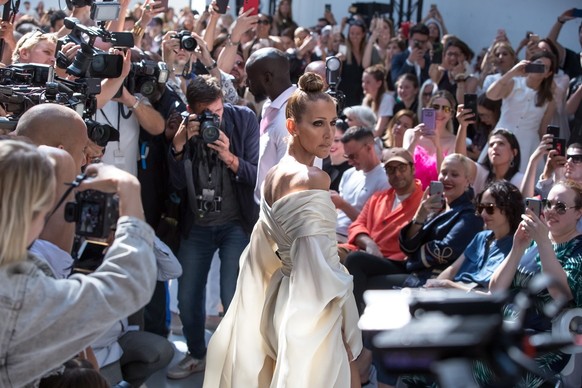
x,y
576,159
488,207
355,154
444,108
401,168
263,22
559,207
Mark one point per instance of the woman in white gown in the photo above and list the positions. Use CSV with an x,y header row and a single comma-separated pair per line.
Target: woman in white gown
x,y
293,319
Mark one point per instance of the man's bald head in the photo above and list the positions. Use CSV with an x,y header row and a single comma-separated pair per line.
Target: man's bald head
x,y
318,67
56,126
268,72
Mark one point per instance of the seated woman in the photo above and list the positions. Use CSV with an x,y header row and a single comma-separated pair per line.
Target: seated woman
x,y
439,232
503,154
398,125
429,147
503,206
549,244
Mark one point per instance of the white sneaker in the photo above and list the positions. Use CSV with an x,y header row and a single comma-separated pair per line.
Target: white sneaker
x,y
186,367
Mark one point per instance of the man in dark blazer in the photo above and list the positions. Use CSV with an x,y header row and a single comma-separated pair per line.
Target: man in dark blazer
x,y
415,59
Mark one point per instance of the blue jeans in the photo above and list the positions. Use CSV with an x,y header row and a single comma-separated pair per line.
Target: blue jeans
x,y
195,255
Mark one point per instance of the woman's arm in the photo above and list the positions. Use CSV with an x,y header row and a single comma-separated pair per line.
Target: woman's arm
x,y
503,276
530,178
547,118
501,88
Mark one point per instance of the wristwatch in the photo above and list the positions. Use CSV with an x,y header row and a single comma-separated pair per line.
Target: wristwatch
x,y
211,67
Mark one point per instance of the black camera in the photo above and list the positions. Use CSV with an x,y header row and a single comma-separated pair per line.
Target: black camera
x,y
101,134
94,213
418,44
209,126
145,77
208,202
90,62
187,42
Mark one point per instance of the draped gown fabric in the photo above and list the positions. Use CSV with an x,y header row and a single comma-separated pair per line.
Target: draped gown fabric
x,y
293,299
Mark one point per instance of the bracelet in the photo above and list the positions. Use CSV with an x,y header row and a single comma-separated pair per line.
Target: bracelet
x,y
174,152
415,222
137,102
230,42
560,21
229,165
211,67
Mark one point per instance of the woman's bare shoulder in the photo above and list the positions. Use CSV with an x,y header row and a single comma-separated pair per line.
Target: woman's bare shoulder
x,y
280,182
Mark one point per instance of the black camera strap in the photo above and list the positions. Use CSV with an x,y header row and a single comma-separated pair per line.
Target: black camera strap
x,y
202,149
80,178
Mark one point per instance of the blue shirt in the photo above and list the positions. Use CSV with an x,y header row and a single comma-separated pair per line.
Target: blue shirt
x,y
482,258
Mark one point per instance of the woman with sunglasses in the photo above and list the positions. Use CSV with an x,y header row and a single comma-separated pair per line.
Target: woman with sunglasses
x,y
430,146
500,206
527,101
549,244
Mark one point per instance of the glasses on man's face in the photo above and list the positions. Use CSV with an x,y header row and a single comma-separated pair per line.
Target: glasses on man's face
x,y
355,154
576,159
557,206
444,108
263,22
488,207
401,168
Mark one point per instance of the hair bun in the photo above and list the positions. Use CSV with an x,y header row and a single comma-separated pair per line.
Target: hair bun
x,y
311,83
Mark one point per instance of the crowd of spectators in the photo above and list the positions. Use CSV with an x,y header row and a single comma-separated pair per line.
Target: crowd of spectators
x,y
395,228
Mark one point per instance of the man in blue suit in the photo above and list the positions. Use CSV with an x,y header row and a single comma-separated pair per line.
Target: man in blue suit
x,y
415,59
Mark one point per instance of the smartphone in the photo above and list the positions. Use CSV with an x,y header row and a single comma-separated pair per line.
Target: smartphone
x,y
436,187
534,38
535,205
471,103
248,4
222,5
343,49
429,120
559,145
163,6
553,130
577,13
535,68
328,8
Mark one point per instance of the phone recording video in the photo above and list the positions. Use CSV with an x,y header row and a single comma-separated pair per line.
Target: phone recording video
x,y
535,68
535,205
429,120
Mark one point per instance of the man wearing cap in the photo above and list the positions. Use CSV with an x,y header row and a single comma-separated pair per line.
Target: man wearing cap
x,y
373,236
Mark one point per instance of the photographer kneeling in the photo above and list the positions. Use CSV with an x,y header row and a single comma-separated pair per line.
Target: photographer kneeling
x,y
47,321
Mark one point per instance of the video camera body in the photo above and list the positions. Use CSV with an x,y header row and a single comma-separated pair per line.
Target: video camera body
x,y
147,78
90,62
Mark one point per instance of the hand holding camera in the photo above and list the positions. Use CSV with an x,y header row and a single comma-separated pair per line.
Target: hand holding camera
x,y
110,179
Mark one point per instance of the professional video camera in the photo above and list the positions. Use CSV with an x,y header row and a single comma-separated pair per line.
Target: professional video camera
x,y
93,212
147,78
187,42
91,62
332,76
26,85
442,332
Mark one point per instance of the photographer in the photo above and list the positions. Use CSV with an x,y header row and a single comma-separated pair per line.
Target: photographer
x,y
219,172
62,316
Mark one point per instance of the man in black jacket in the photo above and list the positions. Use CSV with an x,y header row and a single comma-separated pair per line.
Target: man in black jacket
x,y
213,157
415,59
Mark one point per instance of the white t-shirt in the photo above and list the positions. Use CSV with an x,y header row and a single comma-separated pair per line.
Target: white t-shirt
x,y
386,108
355,187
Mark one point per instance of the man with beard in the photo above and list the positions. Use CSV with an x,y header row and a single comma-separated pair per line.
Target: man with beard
x,y
268,76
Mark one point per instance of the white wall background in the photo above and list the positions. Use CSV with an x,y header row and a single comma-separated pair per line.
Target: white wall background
x,y
475,21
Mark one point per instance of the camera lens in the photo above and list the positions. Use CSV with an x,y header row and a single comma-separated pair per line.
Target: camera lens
x,y
188,43
148,88
209,133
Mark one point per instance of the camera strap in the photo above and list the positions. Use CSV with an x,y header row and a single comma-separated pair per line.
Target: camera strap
x,y
80,178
